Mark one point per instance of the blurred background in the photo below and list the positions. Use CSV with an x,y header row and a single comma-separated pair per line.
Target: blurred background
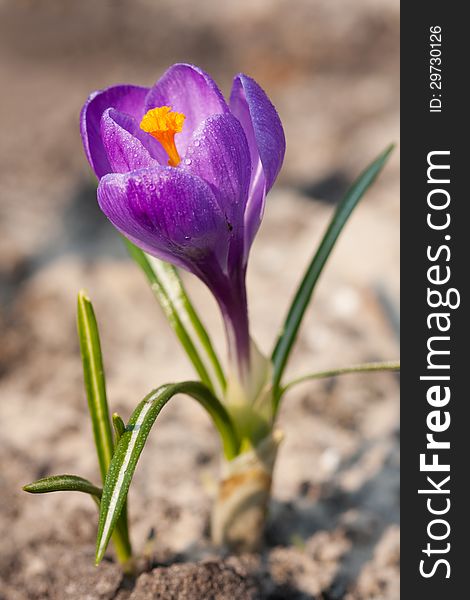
x,y
331,69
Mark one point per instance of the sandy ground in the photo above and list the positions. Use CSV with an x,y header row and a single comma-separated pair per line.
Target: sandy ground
x,y
331,69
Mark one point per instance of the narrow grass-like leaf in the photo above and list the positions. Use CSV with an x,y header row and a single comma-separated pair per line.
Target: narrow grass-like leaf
x,y
63,483
173,284
93,374
304,293
361,368
132,443
73,483
119,427
95,385
169,290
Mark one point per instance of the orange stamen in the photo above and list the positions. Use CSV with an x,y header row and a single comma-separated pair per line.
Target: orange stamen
x,y
162,123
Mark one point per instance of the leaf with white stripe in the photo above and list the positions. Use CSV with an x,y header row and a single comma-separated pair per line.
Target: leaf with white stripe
x,y
182,316
132,442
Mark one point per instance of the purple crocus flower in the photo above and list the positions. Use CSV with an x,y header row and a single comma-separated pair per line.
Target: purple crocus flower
x,y
184,175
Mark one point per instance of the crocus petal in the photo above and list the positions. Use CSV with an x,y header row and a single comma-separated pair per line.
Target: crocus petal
x,y
125,98
263,128
219,154
191,91
265,135
128,147
167,212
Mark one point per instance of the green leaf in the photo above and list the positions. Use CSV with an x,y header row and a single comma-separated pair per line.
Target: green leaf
x,y
361,368
73,483
119,427
132,443
305,290
63,483
93,374
168,288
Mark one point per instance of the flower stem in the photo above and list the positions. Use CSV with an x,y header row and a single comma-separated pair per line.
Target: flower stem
x,y
361,368
232,299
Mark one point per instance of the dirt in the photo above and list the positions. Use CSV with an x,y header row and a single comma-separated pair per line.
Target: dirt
x,y
333,531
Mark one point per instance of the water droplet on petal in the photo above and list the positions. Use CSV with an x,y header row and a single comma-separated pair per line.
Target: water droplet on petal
x,y
197,143
187,161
